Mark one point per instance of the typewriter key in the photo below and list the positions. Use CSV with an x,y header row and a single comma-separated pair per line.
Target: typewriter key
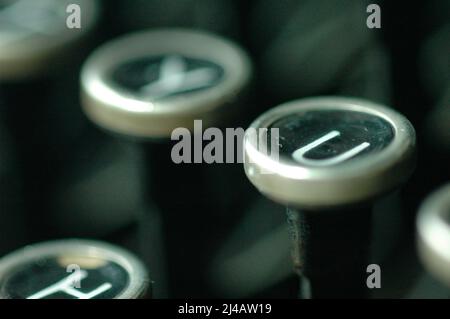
x,y
433,226
73,269
34,35
335,156
145,85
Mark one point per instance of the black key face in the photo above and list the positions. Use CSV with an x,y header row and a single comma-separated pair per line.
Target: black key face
x,y
162,77
325,138
65,277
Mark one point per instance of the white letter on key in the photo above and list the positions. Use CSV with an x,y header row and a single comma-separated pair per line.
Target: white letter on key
x,y
298,155
66,286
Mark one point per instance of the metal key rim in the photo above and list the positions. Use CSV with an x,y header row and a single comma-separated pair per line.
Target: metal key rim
x,y
119,111
349,182
138,276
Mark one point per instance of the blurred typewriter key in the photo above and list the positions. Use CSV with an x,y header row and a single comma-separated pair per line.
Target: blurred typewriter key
x,y
433,227
148,83
336,156
34,35
145,85
73,269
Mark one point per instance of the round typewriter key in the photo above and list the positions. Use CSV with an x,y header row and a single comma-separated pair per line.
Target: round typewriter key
x,y
144,86
327,159
147,84
433,226
72,269
34,34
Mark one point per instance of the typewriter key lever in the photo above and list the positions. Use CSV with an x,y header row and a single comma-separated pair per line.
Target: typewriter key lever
x,y
335,157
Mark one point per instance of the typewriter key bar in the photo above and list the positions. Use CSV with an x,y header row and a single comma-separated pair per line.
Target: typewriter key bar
x,y
336,156
73,269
